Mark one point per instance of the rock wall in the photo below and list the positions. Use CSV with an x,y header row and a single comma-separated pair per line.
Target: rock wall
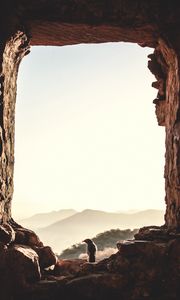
x,y
164,64
172,123
11,54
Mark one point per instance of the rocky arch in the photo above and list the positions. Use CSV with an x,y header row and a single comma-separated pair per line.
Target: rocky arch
x,y
153,24
149,266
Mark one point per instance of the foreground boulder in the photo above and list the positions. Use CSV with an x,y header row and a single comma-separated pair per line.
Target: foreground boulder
x,y
97,286
47,258
69,267
23,265
19,269
140,270
27,237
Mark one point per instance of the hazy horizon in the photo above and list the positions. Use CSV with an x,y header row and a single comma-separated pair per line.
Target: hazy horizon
x,y
128,211
64,228
86,131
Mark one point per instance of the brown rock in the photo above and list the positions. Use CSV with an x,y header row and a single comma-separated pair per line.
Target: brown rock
x,y
27,237
97,286
88,268
7,234
102,264
22,265
3,253
118,264
153,233
47,257
68,266
3,247
150,250
174,259
132,248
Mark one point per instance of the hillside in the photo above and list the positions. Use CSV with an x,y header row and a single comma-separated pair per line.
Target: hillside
x,y
103,240
87,223
45,219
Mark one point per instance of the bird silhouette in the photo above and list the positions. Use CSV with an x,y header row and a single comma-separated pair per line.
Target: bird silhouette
x,y
91,250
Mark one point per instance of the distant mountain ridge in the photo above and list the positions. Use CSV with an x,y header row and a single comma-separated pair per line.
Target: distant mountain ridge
x,y
81,225
141,217
45,219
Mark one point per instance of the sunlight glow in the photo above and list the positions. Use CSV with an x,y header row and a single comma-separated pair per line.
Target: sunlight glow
x,y
86,131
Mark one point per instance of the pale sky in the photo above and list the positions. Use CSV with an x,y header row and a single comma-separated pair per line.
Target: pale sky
x,y
86,131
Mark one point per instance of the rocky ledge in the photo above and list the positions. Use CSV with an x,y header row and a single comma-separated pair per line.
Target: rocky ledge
x,y
147,267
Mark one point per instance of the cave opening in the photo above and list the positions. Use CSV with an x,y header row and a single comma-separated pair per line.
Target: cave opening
x,y
85,125
147,266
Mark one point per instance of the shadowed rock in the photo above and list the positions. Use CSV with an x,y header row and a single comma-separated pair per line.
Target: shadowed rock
x,y
47,257
22,266
27,237
68,266
7,234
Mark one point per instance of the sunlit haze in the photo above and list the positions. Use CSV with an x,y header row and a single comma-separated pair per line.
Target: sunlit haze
x,y
86,131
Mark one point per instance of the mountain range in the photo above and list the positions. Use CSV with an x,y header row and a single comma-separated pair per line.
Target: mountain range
x,y
67,227
45,219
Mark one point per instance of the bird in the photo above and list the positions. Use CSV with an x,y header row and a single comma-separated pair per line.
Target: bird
x,y
91,249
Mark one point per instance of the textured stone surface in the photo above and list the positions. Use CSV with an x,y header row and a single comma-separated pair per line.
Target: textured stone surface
x,y
24,265
167,103
19,268
68,267
7,234
66,22
139,270
46,256
27,237
13,51
150,272
144,269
